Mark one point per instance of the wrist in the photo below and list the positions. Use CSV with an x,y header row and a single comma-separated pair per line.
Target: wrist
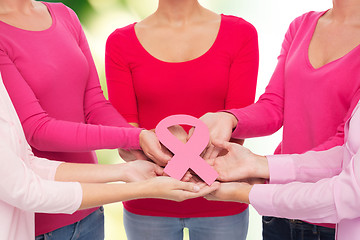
x,y
243,194
121,172
262,167
231,119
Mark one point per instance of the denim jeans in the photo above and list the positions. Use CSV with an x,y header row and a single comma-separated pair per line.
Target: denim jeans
x,y
285,229
89,228
139,227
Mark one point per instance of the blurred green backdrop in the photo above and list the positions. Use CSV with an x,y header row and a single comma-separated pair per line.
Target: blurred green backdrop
x,y
271,18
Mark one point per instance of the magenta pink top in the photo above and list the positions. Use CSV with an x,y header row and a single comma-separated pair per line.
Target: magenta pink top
x,y
311,104
145,90
317,186
53,84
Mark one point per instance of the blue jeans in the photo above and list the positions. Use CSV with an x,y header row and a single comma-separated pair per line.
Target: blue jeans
x,y
139,227
89,228
285,229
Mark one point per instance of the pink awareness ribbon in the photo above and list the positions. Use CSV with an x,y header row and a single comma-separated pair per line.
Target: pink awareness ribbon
x,y
186,155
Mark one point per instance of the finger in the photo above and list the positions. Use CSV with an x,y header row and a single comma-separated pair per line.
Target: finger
x,y
222,145
158,170
208,152
187,186
215,152
191,131
210,161
187,177
201,184
206,190
159,156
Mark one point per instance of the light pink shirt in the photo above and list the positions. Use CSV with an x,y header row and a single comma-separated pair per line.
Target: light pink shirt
x,y
317,186
27,184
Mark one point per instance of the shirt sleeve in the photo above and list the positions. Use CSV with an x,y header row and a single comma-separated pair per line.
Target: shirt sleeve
x,y
49,134
308,167
119,79
266,115
21,187
97,109
328,200
244,70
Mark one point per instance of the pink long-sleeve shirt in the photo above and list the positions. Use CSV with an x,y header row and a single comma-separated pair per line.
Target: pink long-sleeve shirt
x,y
52,81
317,186
311,104
27,181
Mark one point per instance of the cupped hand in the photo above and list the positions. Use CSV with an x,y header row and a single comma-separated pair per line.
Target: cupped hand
x,y
172,189
239,163
140,170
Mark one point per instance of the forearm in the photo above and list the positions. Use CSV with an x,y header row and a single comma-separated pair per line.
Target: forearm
x,y
260,119
90,173
100,194
308,167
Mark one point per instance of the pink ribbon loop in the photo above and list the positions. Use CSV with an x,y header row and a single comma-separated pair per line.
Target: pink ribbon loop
x,y
186,156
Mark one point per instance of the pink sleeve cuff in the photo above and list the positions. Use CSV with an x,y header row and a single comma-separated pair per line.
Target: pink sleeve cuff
x,y
281,169
134,141
261,198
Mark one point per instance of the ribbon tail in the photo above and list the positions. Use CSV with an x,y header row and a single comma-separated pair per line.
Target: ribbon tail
x,y
204,170
176,168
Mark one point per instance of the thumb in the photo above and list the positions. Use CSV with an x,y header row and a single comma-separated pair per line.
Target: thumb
x,y
222,144
158,170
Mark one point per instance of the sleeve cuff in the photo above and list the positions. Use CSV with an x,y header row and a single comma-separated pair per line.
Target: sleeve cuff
x,y
134,138
281,169
260,197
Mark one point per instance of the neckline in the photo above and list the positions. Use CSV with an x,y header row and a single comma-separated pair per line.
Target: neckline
x,y
308,46
53,23
207,52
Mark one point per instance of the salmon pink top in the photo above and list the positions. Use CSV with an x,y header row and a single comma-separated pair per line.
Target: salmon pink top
x,y
53,84
145,90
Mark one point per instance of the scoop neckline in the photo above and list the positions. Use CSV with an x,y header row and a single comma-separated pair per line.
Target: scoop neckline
x,y
307,56
53,23
203,55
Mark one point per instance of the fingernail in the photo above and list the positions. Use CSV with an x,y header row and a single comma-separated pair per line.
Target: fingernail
x,y
196,188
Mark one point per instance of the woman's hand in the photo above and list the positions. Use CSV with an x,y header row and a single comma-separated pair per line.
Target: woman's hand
x,y
239,163
221,125
172,189
232,191
139,170
153,149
